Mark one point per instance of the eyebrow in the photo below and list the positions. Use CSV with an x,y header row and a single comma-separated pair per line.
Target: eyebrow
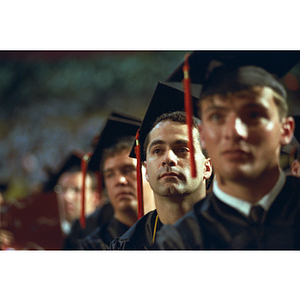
x,y
215,107
161,142
156,142
247,106
122,167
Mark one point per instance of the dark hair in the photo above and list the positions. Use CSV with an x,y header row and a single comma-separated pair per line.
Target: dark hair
x,y
226,80
176,116
124,143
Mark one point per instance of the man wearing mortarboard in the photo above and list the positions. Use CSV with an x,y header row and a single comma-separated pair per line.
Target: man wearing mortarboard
x,y
119,173
166,153
67,184
245,122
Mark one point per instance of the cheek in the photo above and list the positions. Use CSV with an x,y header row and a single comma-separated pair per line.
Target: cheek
x,y
109,188
210,135
264,133
132,181
151,167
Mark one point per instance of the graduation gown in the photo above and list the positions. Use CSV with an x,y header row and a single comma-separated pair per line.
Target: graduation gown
x,y
213,224
101,216
102,237
139,236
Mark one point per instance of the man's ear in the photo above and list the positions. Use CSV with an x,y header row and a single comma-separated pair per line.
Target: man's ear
x,y
207,168
287,130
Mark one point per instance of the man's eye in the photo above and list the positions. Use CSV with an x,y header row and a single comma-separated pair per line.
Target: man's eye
x,y
254,114
215,117
156,151
109,175
184,150
129,170
76,189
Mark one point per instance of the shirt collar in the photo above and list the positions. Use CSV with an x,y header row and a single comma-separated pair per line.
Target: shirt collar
x,y
244,206
65,227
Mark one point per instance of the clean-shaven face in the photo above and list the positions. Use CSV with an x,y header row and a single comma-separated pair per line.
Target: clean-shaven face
x,y
120,180
168,160
242,134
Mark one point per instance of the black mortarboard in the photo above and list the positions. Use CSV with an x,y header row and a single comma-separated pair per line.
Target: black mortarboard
x,y
164,100
3,187
202,62
116,127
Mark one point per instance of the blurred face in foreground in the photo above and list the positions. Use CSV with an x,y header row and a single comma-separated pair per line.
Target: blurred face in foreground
x,y
243,133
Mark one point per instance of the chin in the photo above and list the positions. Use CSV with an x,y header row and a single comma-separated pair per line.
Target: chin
x,y
171,190
238,175
128,202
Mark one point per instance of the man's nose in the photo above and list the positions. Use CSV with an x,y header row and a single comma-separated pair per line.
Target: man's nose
x,y
170,158
121,179
236,128
69,195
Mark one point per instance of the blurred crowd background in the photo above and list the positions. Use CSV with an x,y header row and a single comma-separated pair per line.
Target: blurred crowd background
x,y
52,102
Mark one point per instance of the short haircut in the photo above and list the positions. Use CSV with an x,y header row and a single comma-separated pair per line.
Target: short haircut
x,y
124,143
176,116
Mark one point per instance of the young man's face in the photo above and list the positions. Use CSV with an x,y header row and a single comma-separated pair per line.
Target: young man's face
x,y
168,161
120,181
70,195
243,134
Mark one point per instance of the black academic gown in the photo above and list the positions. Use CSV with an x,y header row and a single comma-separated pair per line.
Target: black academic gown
x,y
101,216
214,225
139,236
102,237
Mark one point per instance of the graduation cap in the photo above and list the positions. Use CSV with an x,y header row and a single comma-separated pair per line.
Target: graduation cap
x,y
165,99
116,127
3,187
203,62
72,161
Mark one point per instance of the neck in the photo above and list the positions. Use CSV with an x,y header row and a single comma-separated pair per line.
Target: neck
x,y
128,218
171,209
249,190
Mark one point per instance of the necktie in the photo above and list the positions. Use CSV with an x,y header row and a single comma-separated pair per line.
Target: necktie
x,y
257,214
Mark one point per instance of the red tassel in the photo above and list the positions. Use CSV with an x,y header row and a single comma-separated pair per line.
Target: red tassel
x,y
188,107
139,178
84,163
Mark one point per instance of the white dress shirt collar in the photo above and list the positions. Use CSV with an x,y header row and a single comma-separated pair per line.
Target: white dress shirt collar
x,y
244,206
